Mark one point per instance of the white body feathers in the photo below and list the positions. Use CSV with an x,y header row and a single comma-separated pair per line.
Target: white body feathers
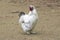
x,y
29,19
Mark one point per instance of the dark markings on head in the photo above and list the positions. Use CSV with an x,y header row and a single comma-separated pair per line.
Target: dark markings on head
x,y
31,8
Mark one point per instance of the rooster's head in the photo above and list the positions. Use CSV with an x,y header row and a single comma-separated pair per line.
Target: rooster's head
x,y
31,7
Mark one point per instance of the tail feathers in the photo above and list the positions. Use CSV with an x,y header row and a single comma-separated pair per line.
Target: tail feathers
x,y
21,13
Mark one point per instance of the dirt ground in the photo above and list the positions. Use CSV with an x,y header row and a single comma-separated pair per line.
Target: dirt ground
x,y
47,28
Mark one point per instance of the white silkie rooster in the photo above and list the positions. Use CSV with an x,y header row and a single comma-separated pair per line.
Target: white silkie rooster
x,y
28,21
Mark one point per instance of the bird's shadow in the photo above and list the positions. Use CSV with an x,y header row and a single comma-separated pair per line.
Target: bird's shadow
x,y
36,33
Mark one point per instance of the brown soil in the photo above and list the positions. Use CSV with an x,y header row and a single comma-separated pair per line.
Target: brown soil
x,y
47,28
